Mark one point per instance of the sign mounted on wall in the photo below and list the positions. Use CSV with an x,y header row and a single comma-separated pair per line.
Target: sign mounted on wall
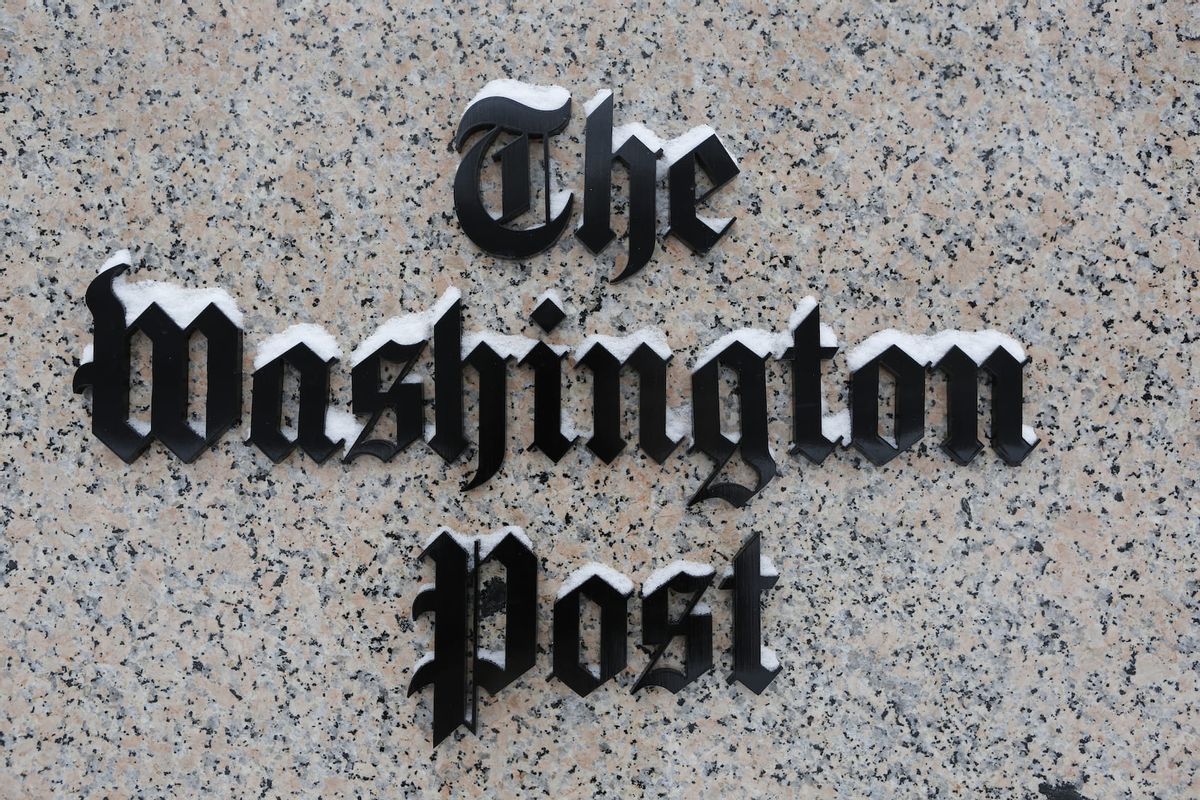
x,y
169,315
502,122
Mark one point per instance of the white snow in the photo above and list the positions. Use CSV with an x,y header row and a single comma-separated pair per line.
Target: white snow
x,y
622,347
493,656
679,423
406,328
768,343
663,576
89,353
597,99
180,303
422,661
582,575
542,98
505,345
766,568
928,349
1029,435
673,149
702,609
760,342
716,223
121,257
803,309
140,425
489,542
768,658
836,425
317,338
467,543
342,426
553,296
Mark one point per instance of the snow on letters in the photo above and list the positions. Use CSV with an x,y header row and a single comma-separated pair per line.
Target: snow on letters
x,y
661,577
929,349
672,149
597,99
542,98
553,296
767,343
582,575
181,303
406,328
317,338
487,542
622,347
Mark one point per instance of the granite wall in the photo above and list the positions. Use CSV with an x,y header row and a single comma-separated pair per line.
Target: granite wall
x,y
237,628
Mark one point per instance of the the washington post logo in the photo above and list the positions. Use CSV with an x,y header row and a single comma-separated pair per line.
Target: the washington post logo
x,y
431,356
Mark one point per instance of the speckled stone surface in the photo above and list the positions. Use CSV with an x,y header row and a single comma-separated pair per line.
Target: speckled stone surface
x,y
235,628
